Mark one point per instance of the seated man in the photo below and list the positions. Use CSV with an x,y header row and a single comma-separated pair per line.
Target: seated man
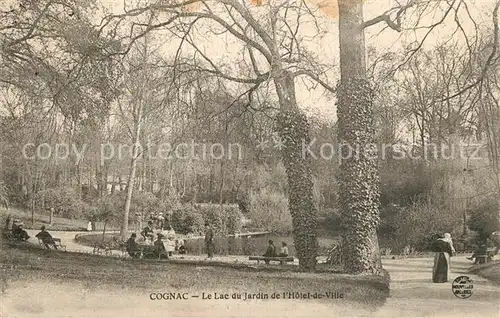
x,y
271,251
181,249
46,238
284,250
18,232
481,250
132,248
147,231
160,251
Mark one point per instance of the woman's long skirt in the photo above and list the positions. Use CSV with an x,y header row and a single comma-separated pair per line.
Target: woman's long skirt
x,y
441,269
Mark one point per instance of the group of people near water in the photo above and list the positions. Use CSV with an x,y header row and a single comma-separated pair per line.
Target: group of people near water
x,y
164,243
271,250
163,249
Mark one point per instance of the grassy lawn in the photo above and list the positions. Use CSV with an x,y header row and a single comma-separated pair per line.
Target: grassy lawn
x,y
490,270
42,218
24,267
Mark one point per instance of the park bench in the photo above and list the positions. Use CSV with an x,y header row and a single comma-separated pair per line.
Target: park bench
x,y
267,259
484,258
107,248
102,248
57,243
149,252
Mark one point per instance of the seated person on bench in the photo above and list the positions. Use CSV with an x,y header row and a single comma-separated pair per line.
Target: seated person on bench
x,y
160,251
18,232
181,249
284,250
271,251
132,248
147,231
481,250
46,238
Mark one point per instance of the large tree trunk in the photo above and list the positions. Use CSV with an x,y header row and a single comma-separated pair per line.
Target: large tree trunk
x,y
131,178
293,129
358,175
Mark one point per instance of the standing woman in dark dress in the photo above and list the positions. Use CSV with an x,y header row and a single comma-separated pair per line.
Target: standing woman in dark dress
x,y
443,248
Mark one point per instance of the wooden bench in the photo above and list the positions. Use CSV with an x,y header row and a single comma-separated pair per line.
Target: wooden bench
x,y
57,243
266,259
149,252
102,248
484,258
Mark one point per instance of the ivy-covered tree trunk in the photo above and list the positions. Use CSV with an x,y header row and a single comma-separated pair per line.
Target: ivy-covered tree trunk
x,y
293,129
358,176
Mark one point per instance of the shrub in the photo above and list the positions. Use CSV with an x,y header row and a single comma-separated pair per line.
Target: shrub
x,y
233,217
214,216
416,225
225,221
108,209
269,211
484,219
186,219
65,201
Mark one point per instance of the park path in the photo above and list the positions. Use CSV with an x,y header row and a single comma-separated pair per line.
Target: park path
x,y
412,293
67,239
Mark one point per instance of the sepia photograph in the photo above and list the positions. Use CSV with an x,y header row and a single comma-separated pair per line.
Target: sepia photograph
x,y
249,158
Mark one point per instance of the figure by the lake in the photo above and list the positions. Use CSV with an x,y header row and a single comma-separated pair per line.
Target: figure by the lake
x,y
132,248
209,240
284,250
270,251
443,248
160,250
147,232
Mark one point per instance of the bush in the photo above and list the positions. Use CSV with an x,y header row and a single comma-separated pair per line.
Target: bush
x,y
418,224
65,201
269,211
186,219
108,209
144,203
212,214
223,222
484,219
233,217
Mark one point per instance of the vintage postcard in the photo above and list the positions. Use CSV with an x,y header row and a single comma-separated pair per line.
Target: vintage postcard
x,y
249,158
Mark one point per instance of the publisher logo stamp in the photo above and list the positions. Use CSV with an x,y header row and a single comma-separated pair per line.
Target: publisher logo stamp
x,y
462,287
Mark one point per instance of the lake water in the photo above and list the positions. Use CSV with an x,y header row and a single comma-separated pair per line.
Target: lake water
x,y
255,245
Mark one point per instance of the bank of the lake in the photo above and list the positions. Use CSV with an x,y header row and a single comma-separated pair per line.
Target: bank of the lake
x,y
247,244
